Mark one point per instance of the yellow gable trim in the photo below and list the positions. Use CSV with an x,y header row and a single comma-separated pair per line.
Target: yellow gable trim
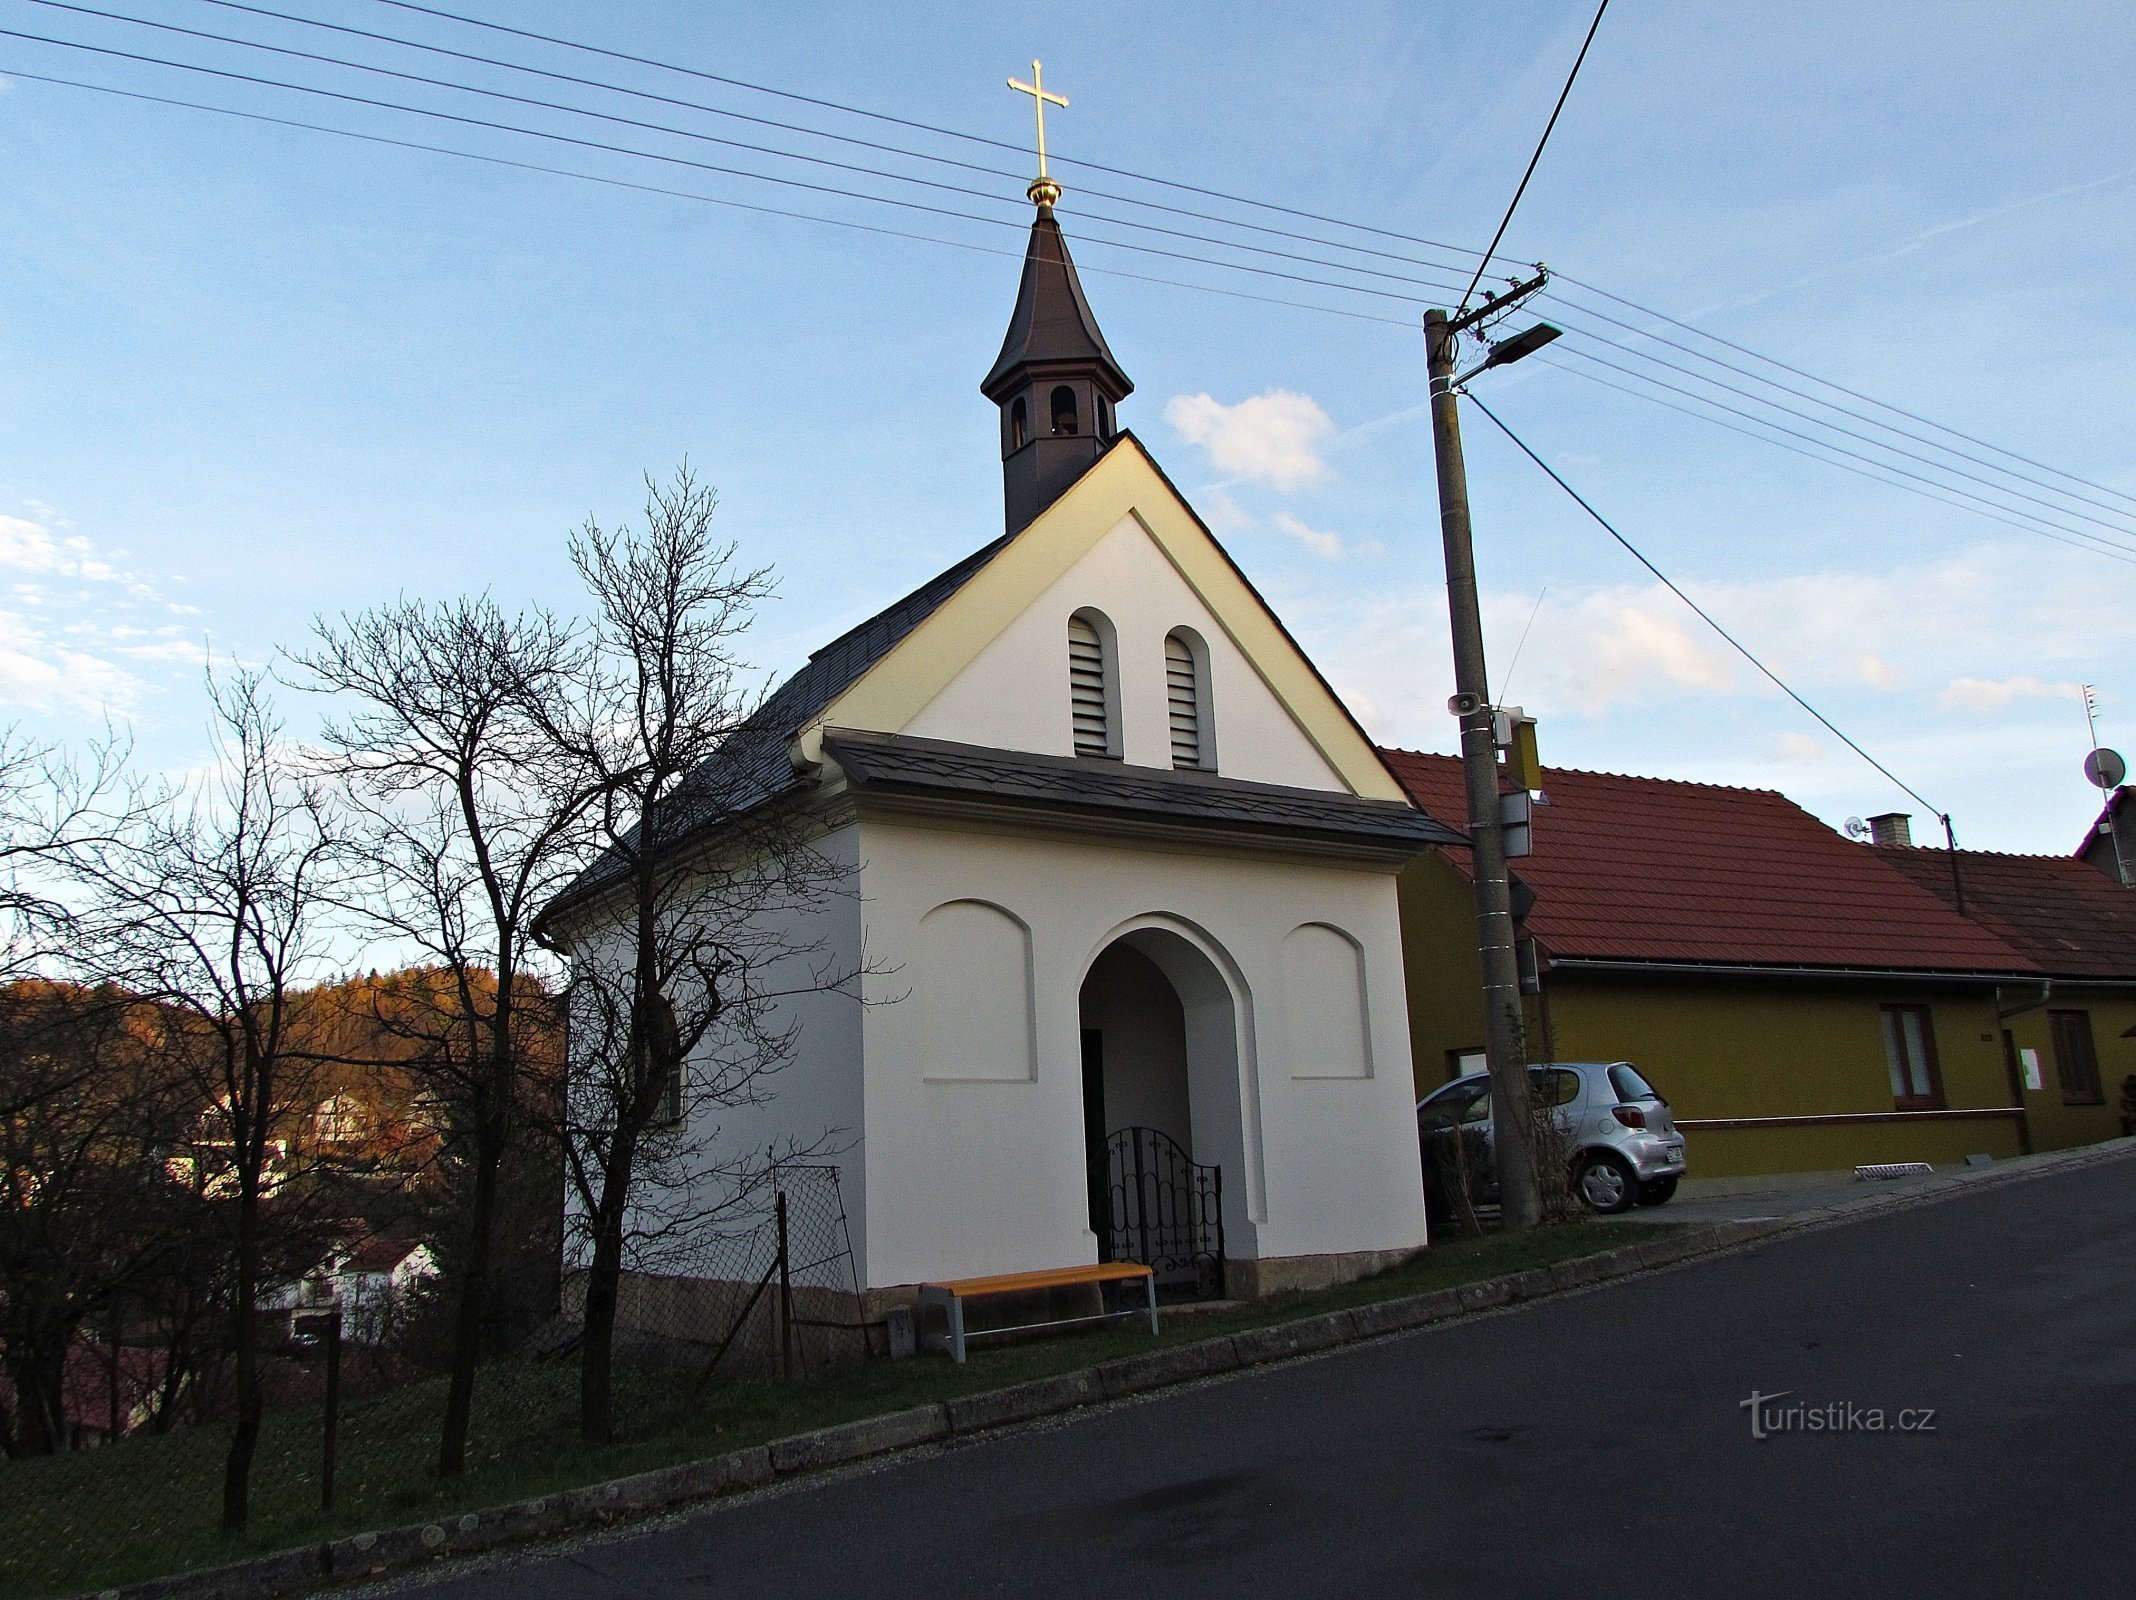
x,y
1125,482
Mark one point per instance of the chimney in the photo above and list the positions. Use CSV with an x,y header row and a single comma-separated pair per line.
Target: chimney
x,y
1892,828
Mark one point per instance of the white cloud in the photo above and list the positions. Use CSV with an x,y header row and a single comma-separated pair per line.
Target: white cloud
x,y
38,674
1877,673
2005,632
1327,546
1990,694
79,629
1225,516
1274,438
1797,749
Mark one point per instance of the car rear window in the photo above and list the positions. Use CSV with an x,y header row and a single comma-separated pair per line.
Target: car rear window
x,y
1625,1079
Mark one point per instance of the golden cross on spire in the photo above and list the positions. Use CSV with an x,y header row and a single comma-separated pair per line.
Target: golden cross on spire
x,y
1043,191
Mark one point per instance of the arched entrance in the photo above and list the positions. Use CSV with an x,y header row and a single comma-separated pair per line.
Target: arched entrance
x,y
1162,1132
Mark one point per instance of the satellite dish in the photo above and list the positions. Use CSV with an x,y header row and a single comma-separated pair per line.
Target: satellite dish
x,y
2105,768
1856,828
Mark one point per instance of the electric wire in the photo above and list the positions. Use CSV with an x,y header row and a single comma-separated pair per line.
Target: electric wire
x,y
961,190
1301,214
1812,455
1848,411
682,161
1707,617
1628,350
1584,355
1512,205
235,5
678,194
1897,450
1867,399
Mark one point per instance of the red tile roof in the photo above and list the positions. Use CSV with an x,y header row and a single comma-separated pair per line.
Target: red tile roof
x,y
2070,918
1653,869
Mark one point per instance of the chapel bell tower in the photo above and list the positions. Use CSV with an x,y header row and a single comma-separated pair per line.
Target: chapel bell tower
x,y
1055,380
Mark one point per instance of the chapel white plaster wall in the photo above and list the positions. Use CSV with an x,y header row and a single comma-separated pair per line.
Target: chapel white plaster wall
x,y
975,1176
1014,694
815,1100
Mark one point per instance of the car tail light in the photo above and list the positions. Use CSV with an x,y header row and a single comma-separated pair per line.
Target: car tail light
x,y
1630,1116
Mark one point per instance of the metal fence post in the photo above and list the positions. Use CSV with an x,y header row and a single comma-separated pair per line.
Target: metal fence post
x,y
786,1294
333,1410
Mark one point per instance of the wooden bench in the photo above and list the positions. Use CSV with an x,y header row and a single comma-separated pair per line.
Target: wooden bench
x,y
952,1294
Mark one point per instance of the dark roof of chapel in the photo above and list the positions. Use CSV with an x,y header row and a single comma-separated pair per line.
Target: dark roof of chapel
x,y
1052,320
887,763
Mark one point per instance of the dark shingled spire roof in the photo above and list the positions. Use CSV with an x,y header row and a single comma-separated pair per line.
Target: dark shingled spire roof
x,y
1052,320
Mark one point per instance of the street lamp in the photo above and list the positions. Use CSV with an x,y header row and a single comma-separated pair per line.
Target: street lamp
x,y
1507,351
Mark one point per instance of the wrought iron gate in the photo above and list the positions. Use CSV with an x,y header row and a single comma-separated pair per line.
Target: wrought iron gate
x,y
1165,1210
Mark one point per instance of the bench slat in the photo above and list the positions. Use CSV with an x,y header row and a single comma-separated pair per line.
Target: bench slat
x,y
1050,1278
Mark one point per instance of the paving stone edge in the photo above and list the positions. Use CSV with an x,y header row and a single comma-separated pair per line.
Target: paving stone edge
x,y
395,1551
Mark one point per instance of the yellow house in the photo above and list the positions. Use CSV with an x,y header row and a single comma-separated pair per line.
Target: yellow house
x,y
2069,1038
1803,1003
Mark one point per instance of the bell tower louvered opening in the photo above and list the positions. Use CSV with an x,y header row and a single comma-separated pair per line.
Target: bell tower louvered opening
x,y
1090,687
1186,692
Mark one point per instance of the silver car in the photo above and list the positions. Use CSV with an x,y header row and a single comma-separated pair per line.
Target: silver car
x,y
1624,1146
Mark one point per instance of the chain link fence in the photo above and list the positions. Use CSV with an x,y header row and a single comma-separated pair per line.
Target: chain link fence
x,y
357,1397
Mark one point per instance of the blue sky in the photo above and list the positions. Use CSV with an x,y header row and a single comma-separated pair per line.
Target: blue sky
x,y
250,374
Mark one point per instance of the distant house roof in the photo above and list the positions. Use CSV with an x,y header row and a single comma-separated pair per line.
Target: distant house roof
x,y
1654,870
380,1255
894,764
2115,824
2072,921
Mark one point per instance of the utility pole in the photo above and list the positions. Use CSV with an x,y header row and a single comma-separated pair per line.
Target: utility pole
x,y
1520,1202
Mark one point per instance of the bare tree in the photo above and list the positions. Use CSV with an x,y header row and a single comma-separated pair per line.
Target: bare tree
x,y
693,922
466,823
53,804
215,905
88,1106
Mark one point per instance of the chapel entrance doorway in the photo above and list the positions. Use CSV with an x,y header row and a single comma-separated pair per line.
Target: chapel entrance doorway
x,y
1160,1096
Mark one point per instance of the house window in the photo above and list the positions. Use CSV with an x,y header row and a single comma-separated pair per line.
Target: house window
x,y
1910,1052
1093,699
1019,425
1460,1063
1064,410
2076,1062
1186,688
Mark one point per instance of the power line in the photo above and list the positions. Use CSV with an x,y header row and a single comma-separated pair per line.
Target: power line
x,y
961,190
1225,244
237,5
704,166
1707,617
1847,411
1867,399
678,194
2104,544
1911,455
1812,455
1563,95
1177,186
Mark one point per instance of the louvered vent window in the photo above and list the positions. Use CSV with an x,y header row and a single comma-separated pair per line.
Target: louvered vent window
x,y
1086,688
1183,694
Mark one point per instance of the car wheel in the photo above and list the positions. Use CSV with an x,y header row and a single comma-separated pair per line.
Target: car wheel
x,y
1605,1183
1658,1193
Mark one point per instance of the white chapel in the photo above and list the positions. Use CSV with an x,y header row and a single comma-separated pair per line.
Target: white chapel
x,y
1123,870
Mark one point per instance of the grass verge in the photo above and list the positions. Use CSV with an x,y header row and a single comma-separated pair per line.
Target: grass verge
x,y
93,1519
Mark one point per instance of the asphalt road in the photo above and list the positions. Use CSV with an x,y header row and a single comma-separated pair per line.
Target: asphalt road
x,y
1594,1444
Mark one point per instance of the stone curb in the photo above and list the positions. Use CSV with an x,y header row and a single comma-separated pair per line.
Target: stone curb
x,y
394,1551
